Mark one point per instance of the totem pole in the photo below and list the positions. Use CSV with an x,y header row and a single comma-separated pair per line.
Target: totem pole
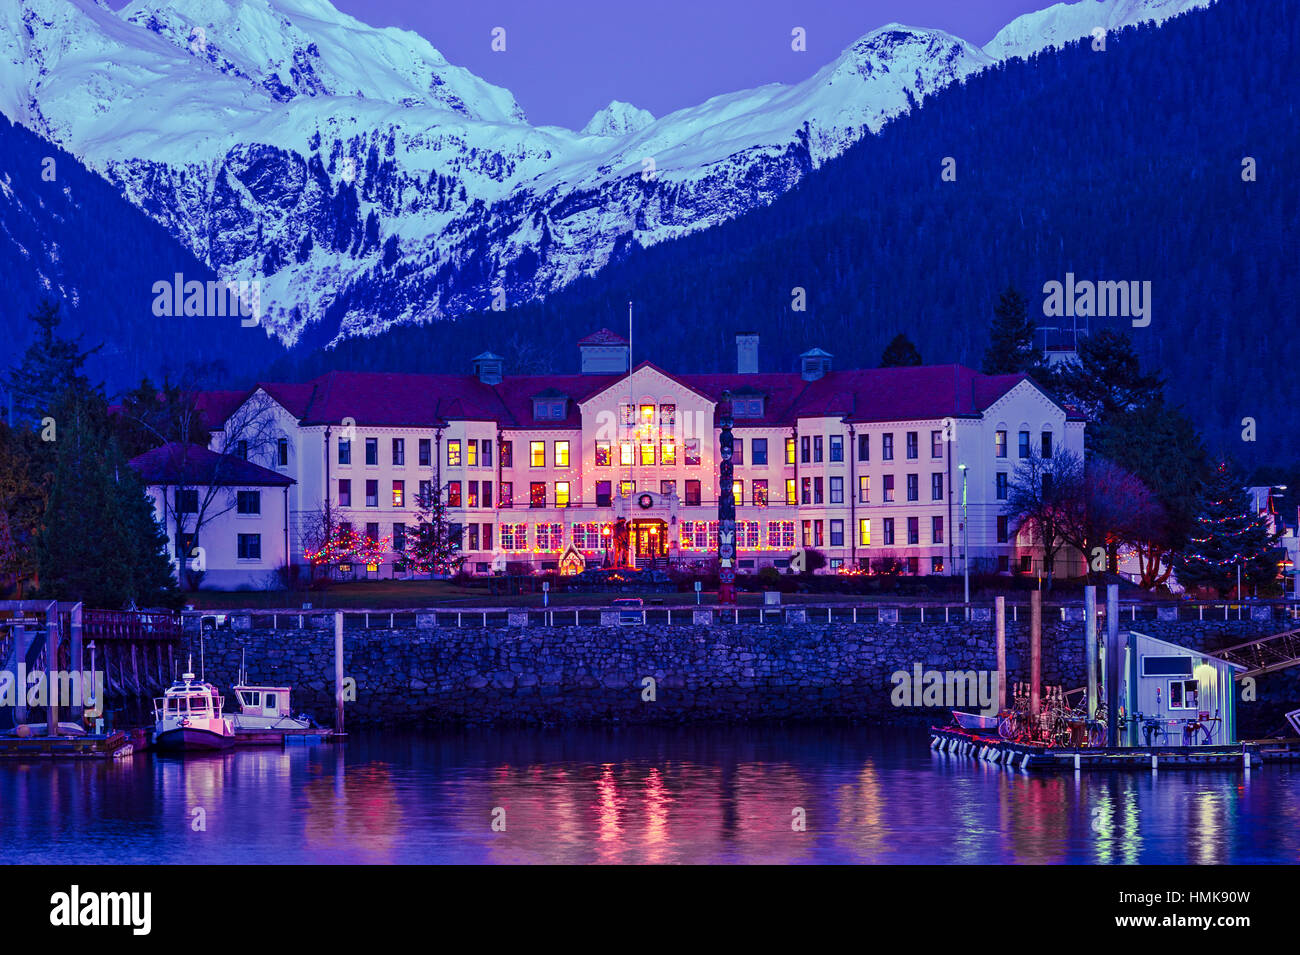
x,y
726,507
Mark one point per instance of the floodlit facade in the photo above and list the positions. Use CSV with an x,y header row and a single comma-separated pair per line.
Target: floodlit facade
x,y
862,466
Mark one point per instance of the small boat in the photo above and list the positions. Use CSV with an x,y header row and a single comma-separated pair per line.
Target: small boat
x,y
974,721
188,718
265,707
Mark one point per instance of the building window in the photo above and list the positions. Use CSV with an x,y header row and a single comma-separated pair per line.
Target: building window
x,y
1003,529
936,530
372,493
758,452
426,453
345,493
760,493
936,565
837,447
936,486
789,450
936,444
913,566
692,493
889,487
345,451
453,454
887,533
1047,444
282,452
537,494
837,533
820,539
561,493
668,488
737,450
864,488
471,453
399,494
507,454
837,490
912,446
241,449
250,546
561,454
647,455
668,454
625,454
807,534
738,492
780,534
248,502
691,450
626,488
1002,485
550,537
486,445
817,490
372,452
817,449
537,454
805,449
806,496
604,458
914,487
864,447
668,419
886,447
864,531
604,494
453,493
914,530
1000,444
507,496
399,452
399,537
514,536
789,491
1024,444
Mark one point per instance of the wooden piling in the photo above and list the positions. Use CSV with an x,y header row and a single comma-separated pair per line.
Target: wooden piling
x,y
338,672
1090,644
1001,604
1035,654
20,672
1114,661
77,662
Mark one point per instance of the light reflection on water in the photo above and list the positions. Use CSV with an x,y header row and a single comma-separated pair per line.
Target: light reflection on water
x,y
695,795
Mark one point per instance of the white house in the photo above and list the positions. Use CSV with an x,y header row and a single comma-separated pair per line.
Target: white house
x,y
862,465
227,517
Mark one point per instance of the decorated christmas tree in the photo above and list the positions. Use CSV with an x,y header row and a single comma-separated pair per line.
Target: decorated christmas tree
x,y
1228,535
435,547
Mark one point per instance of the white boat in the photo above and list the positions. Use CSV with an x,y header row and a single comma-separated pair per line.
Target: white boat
x,y
265,707
188,718
974,721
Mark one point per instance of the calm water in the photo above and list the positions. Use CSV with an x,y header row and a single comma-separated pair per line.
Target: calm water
x,y
634,795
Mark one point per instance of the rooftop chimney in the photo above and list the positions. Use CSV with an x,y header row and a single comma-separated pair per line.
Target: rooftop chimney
x,y
747,353
489,368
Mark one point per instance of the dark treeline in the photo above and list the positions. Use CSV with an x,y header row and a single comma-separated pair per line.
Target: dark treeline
x,y
1117,165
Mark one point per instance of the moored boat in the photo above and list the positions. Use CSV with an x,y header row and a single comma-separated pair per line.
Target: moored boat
x,y
974,721
188,718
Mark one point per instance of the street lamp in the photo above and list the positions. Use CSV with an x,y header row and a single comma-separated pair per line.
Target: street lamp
x,y
965,535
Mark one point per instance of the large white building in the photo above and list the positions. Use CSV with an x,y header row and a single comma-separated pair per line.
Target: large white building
x,y
864,466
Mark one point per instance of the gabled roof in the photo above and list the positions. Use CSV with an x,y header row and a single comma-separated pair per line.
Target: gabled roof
x,y
177,464
603,337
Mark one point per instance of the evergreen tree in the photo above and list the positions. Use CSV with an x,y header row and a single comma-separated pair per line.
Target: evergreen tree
x,y
435,547
900,353
51,366
1011,337
1228,535
1107,381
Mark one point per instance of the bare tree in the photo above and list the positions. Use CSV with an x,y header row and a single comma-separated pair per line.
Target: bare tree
x,y
1045,498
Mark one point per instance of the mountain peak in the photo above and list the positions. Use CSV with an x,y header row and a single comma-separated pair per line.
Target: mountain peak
x,y
618,119
1061,23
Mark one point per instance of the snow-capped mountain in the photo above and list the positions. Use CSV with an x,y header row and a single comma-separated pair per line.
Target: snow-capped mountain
x,y
367,182
1063,22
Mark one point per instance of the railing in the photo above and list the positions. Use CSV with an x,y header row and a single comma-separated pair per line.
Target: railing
x,y
681,611
133,625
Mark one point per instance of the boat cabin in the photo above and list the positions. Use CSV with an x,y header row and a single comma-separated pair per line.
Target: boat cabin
x,y
1178,696
263,700
189,699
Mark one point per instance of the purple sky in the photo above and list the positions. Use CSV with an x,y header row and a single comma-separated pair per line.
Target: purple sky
x,y
567,58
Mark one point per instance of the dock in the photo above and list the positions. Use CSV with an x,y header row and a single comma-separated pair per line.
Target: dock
x,y
1035,757
287,737
91,746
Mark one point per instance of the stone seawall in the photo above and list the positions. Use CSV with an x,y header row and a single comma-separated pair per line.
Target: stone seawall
x,y
565,675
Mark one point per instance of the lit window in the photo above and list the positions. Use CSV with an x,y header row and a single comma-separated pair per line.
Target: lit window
x,y
561,493
537,453
453,454
603,457
668,454
399,494
647,454
561,454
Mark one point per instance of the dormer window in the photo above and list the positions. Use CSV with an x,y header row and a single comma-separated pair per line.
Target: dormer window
x,y
747,407
548,409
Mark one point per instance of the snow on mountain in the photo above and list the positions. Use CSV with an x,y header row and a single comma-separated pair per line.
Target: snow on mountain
x,y
618,119
368,182
1063,22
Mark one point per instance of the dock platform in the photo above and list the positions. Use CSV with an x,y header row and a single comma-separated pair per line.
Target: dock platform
x,y
1038,757
91,746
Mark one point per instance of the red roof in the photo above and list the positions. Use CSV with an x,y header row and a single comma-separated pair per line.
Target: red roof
x,y
603,337
381,399
178,464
